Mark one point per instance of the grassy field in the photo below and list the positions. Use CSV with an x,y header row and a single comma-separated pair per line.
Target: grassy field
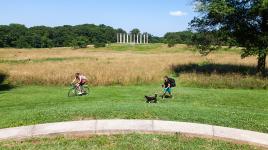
x,y
123,142
245,109
218,89
130,65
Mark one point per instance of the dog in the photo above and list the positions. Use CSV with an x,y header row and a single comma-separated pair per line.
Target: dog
x,y
151,99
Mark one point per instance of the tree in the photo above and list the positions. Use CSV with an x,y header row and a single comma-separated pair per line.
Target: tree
x,y
15,31
23,43
79,42
46,42
155,39
135,31
3,35
120,31
171,43
246,21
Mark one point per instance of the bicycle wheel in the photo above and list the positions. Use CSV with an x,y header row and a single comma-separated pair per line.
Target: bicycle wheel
x,y
72,92
86,90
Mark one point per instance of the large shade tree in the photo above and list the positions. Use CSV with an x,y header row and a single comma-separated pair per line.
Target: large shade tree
x,y
135,31
246,21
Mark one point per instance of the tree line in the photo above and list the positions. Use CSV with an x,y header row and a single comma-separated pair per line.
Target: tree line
x,y
19,36
79,36
198,39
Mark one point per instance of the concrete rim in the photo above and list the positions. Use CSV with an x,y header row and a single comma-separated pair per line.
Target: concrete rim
x,y
122,126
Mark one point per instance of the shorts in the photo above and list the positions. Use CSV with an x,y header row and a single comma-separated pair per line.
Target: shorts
x,y
167,90
83,82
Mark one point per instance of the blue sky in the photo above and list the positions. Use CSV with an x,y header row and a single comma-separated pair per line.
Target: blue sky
x,y
153,16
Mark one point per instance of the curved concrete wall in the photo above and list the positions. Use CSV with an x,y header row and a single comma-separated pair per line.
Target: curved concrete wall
x,y
130,126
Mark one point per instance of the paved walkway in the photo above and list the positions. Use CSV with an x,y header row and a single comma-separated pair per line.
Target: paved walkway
x,y
130,126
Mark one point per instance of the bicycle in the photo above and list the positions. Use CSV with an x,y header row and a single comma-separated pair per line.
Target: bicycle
x,y
73,91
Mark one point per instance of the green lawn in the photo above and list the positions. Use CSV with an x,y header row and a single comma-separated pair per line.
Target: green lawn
x,y
245,109
123,142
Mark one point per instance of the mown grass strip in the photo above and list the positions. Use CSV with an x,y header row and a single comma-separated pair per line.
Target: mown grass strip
x,y
245,109
122,142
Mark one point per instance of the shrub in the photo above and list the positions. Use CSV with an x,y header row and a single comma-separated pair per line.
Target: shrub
x,y
97,45
80,42
171,43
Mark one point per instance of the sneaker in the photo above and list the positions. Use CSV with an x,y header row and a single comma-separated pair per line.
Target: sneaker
x,y
79,93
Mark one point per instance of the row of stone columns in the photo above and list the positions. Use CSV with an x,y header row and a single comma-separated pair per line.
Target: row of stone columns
x,y
132,38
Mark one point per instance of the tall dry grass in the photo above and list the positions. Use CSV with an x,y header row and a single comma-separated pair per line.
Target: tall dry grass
x,y
102,67
223,81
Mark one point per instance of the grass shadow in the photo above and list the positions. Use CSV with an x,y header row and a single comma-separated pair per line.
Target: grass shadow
x,y
220,69
4,86
3,77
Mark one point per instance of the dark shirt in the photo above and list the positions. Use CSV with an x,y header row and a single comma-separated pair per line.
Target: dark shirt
x,y
166,83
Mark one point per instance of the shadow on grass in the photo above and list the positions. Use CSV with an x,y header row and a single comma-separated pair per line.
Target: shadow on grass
x,y
215,69
4,87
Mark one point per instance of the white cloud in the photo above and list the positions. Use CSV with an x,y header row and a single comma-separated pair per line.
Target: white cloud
x,y
177,13
198,6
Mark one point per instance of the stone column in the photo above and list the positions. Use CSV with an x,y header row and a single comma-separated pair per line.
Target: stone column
x,y
137,38
130,36
127,38
120,41
144,38
140,38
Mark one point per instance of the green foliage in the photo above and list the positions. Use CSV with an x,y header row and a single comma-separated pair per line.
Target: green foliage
x,y
22,42
265,3
135,31
19,36
121,31
206,42
156,39
98,45
244,21
171,43
184,37
79,42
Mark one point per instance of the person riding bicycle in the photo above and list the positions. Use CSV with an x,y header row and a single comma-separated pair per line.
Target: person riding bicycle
x,y
80,81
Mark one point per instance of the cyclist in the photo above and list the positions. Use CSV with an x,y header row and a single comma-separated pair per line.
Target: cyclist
x,y
80,81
